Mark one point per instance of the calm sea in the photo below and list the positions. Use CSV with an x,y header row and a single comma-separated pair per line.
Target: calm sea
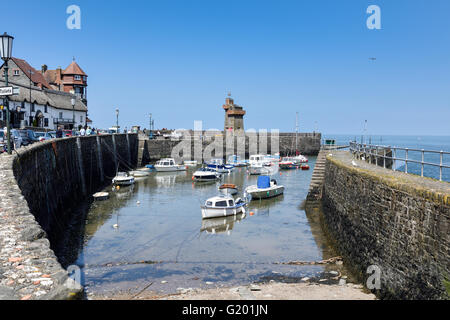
x,y
437,143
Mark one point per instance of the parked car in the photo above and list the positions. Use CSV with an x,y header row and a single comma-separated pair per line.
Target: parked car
x,y
3,144
32,136
67,133
25,140
17,139
42,136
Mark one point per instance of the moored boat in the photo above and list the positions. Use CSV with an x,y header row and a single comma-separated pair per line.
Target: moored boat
x,y
168,165
123,179
222,206
205,174
265,188
219,166
190,163
289,163
236,161
228,188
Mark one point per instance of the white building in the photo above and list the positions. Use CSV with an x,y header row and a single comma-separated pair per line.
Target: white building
x,y
45,97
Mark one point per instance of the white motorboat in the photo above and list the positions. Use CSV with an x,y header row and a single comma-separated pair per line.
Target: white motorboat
x,y
228,188
265,188
236,161
222,206
168,165
123,179
206,174
190,163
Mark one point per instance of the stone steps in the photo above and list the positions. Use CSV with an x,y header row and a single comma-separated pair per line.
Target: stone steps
x,y
316,184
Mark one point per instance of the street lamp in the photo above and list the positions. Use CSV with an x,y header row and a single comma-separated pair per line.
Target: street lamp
x,y
117,120
6,44
73,109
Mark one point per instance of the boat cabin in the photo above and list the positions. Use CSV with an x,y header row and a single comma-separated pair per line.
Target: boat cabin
x,y
166,162
220,202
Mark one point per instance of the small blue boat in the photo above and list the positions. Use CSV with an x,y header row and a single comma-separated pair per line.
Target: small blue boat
x,y
219,166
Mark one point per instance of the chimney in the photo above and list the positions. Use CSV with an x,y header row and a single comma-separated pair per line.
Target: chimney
x,y
44,68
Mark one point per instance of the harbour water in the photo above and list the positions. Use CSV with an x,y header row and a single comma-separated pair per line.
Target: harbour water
x,y
152,233
160,237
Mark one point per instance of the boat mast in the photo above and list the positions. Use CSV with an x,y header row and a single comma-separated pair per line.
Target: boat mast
x,y
296,133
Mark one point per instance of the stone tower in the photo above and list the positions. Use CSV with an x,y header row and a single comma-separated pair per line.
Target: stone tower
x,y
234,117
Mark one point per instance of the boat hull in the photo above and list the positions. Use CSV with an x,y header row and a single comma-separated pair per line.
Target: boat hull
x,y
265,193
210,212
123,182
170,169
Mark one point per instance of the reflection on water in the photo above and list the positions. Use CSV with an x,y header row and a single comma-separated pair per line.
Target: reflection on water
x,y
222,224
159,219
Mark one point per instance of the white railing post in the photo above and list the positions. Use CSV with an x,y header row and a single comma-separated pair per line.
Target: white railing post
x,y
440,165
406,160
423,157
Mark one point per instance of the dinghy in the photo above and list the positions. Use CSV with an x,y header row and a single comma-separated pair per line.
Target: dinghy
x,y
228,188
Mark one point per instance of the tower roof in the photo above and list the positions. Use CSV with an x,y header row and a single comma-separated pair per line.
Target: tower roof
x,y
74,68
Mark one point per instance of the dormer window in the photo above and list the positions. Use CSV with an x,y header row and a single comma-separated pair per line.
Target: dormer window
x,y
16,72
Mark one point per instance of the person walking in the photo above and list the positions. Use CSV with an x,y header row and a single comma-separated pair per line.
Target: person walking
x,y
88,131
82,131
59,132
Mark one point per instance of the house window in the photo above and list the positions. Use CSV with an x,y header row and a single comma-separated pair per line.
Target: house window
x,y
16,72
81,118
45,122
77,77
60,115
45,109
32,107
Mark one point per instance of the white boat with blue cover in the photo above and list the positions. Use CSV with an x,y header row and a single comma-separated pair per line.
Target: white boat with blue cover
x,y
222,206
265,188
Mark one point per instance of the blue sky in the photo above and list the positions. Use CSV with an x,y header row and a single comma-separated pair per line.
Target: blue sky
x,y
178,59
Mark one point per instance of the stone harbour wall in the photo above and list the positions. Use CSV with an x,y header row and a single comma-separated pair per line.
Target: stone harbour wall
x,y
254,143
40,184
396,221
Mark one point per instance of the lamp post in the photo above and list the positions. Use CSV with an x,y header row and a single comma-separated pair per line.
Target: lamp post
x,y
73,110
6,43
117,120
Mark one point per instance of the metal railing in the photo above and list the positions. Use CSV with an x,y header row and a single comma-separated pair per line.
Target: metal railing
x,y
377,151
